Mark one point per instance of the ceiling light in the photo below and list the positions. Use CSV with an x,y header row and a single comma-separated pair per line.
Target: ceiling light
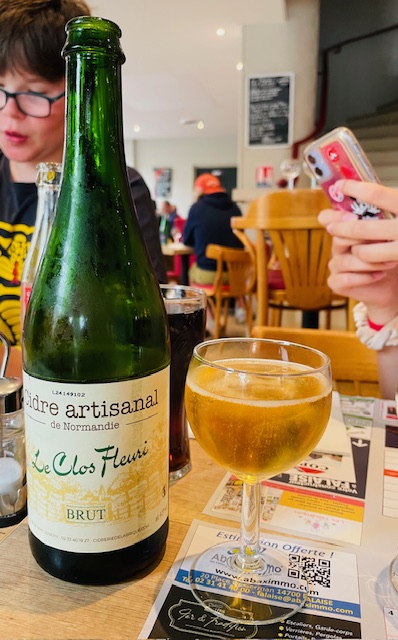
x,y
198,123
220,31
239,66
136,128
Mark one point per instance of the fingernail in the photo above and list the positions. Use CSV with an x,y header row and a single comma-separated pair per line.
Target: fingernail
x,y
339,184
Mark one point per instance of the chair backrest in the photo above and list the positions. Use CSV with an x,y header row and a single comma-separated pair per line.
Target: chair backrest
x,y
354,366
286,203
301,246
240,266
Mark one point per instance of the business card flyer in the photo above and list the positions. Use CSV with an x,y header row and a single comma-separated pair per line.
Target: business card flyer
x,y
331,611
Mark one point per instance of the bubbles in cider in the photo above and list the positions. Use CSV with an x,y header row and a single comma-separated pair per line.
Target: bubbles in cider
x,y
253,424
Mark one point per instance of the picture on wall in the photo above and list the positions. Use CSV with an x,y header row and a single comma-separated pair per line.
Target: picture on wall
x,y
269,110
163,179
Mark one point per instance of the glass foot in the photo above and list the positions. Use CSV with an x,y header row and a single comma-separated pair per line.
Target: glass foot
x,y
394,573
274,591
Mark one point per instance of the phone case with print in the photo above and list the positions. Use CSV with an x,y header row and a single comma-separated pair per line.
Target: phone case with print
x,y
338,155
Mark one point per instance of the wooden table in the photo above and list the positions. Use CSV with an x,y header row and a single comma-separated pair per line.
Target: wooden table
x,y
179,249
36,606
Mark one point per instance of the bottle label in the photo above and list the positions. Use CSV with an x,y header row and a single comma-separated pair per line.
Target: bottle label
x,y
97,461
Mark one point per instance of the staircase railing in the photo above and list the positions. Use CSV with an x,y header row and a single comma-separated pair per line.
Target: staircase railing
x,y
324,73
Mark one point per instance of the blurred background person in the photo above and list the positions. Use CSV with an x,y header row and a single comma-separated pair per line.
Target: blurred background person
x,y
175,222
169,211
209,221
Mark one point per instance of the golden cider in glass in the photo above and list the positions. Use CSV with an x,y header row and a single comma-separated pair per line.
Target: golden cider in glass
x,y
254,416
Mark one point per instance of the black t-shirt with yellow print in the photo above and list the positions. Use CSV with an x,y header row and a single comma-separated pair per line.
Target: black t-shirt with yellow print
x,y
18,204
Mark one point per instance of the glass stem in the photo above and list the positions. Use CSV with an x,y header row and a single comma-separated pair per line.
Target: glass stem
x,y
249,551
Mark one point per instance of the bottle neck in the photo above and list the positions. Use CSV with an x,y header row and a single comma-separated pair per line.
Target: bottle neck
x,y
48,182
47,197
94,131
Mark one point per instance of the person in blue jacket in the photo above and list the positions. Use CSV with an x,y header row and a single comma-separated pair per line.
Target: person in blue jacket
x,y
209,221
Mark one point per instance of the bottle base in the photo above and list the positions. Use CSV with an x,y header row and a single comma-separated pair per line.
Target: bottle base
x,y
101,568
15,518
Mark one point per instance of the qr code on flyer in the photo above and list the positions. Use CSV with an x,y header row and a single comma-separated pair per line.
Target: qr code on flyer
x,y
315,570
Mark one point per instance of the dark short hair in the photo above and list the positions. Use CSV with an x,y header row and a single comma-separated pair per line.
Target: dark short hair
x,y
32,34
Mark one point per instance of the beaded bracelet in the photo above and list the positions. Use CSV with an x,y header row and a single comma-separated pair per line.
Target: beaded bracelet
x,y
375,336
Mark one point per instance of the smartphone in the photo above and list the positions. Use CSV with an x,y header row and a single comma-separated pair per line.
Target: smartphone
x,y
337,155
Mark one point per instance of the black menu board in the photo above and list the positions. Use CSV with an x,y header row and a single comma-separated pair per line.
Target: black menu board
x,y
269,110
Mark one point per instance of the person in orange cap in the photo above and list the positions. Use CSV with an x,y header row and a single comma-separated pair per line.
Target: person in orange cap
x,y
207,183
209,221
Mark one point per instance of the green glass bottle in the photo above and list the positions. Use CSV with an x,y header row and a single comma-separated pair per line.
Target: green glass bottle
x,y
96,348
165,230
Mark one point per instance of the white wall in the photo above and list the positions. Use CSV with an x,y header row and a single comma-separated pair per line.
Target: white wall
x,y
277,47
291,46
181,155
367,77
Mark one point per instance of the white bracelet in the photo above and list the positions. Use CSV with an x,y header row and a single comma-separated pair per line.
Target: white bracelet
x,y
386,337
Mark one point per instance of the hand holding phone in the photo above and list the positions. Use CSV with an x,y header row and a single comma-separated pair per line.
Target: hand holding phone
x,y
338,155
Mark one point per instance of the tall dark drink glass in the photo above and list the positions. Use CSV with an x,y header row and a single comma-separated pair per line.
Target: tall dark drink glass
x,y
186,312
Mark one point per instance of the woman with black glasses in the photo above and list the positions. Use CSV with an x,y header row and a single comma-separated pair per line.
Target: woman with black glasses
x,y
32,108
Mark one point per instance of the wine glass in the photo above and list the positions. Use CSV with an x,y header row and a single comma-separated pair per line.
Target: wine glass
x,y
394,572
310,175
257,407
176,234
290,169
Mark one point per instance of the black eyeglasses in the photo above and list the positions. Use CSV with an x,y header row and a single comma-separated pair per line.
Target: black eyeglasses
x,y
30,103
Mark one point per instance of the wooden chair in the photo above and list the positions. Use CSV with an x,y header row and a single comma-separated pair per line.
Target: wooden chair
x,y
301,250
354,366
239,264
